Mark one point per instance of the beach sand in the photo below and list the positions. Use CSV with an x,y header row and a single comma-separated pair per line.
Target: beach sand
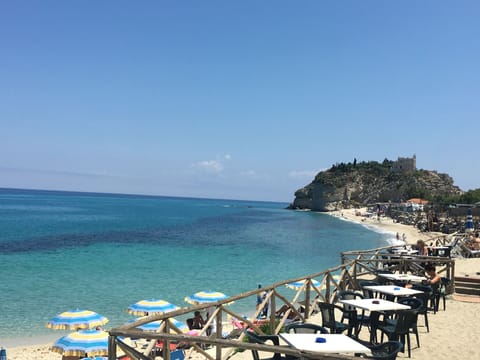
x,y
412,234
453,333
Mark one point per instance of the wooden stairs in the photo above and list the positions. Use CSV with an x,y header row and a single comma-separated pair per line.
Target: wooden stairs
x,y
467,288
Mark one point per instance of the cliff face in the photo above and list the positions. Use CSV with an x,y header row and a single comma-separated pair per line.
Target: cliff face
x,y
349,185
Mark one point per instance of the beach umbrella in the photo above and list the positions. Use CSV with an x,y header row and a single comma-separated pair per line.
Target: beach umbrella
x,y
154,325
298,284
77,319
95,358
469,226
203,297
152,306
89,342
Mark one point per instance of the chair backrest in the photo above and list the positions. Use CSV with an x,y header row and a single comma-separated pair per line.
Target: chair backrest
x,y
444,283
425,297
367,293
305,328
405,320
386,351
261,339
380,279
349,295
327,311
415,304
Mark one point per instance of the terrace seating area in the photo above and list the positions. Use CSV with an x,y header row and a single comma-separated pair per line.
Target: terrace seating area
x,y
359,308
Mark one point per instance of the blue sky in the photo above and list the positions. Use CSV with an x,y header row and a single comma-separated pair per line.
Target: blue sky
x,y
233,99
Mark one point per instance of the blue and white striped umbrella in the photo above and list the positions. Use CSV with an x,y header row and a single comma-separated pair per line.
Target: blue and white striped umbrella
x,y
77,319
152,306
203,297
95,358
154,325
90,342
298,284
469,226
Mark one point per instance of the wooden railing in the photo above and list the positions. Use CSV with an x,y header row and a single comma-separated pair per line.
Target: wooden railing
x,y
355,265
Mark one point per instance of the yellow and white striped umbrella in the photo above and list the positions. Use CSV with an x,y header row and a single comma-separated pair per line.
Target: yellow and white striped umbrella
x,y
152,306
77,319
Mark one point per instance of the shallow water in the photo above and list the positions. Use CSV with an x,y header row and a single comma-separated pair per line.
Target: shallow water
x,y
60,251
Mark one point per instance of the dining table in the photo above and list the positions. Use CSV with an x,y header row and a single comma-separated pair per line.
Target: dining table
x,y
375,306
379,305
320,344
392,290
402,277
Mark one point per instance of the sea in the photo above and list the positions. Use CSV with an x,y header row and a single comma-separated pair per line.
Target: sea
x,y
62,251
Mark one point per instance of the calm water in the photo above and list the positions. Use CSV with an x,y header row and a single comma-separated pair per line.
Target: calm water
x,y
60,251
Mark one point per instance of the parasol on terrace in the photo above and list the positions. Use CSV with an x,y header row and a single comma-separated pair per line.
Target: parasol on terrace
x,y
77,319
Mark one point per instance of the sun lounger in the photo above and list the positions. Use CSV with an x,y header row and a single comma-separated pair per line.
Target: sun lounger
x,y
465,251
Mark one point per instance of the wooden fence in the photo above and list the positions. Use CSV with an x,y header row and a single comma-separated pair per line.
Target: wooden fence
x,y
356,265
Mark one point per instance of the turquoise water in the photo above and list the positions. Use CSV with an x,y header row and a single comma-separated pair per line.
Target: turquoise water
x,y
61,251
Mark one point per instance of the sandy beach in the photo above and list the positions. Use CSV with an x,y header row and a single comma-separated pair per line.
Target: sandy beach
x,y
453,333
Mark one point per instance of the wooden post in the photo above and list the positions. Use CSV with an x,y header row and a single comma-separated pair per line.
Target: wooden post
x,y
112,348
166,342
307,299
218,319
273,315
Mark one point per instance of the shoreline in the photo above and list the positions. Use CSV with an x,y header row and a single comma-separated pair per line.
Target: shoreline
x,y
385,225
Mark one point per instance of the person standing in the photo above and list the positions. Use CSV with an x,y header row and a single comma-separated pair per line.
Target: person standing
x,y
261,296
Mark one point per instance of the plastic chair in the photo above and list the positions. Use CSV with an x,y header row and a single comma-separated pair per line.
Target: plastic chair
x,y
328,318
382,280
416,305
401,329
425,297
385,351
440,292
305,328
261,339
367,293
429,290
355,319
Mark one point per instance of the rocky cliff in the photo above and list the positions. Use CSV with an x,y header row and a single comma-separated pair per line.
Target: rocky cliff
x,y
360,184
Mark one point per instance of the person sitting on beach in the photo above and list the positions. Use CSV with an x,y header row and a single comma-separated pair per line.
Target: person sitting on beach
x,y
198,322
473,243
422,248
281,312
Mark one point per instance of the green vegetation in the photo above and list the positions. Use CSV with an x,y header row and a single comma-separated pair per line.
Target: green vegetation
x,y
469,197
373,167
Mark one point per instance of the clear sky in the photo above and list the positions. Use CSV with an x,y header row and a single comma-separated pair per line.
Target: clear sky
x,y
233,99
